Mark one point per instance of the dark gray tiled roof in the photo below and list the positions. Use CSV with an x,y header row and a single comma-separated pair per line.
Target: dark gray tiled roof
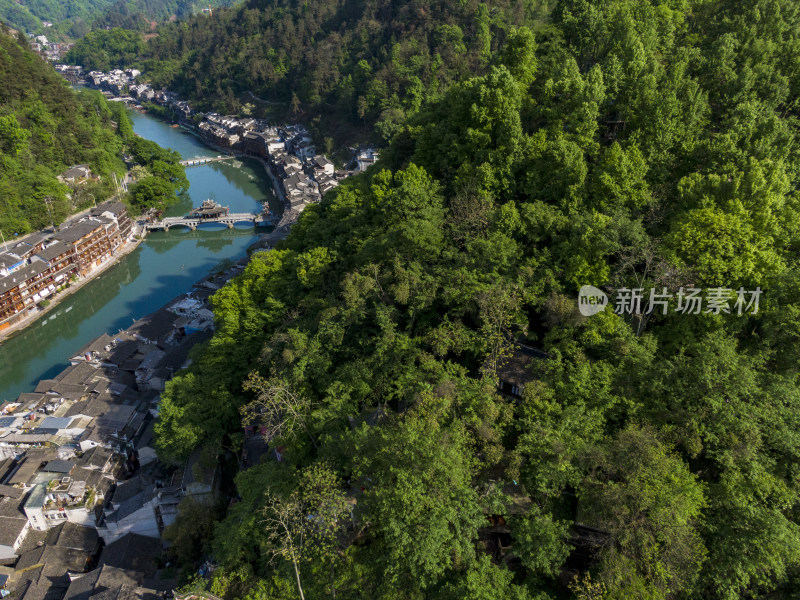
x,y
28,398
126,490
10,528
24,274
77,409
77,374
40,590
103,578
115,208
133,504
154,326
11,491
69,391
44,385
8,283
96,345
59,466
53,251
76,171
33,539
57,560
72,535
7,260
135,552
75,232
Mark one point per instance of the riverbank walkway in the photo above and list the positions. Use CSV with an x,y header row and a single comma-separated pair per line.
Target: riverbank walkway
x,y
193,222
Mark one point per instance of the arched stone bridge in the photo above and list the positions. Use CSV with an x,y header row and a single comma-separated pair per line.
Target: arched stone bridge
x,y
204,160
230,220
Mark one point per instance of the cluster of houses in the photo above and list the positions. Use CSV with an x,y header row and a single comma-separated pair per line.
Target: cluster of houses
x,y
116,82
302,176
72,73
52,51
77,175
144,93
33,269
83,497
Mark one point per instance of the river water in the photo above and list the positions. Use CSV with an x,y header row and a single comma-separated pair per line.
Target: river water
x,y
165,265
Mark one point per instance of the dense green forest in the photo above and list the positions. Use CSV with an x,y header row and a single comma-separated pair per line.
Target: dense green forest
x,y
72,19
68,18
140,14
629,144
19,17
46,127
106,49
358,61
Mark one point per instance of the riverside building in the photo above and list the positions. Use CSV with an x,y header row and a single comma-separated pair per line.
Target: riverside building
x,y
37,267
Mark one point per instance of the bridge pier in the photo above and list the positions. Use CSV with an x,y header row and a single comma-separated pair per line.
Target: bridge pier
x,y
230,225
193,227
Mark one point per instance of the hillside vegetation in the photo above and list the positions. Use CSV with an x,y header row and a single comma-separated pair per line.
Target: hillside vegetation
x,y
46,127
626,144
72,19
354,62
104,50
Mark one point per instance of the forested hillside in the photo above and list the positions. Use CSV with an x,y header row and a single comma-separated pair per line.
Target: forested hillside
x,y
104,50
628,144
139,14
72,19
45,128
19,17
365,61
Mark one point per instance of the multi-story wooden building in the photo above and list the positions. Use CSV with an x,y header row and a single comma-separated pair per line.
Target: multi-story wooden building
x,y
35,268
90,242
119,212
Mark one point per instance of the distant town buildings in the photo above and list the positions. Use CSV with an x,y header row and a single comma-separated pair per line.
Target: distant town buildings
x,y
116,82
51,51
73,74
302,175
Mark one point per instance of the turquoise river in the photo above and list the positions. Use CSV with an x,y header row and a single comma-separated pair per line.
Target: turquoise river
x,y
162,267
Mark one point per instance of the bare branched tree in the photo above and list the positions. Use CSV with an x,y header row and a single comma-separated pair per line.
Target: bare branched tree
x,y
469,211
497,308
644,266
309,523
276,408
286,534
